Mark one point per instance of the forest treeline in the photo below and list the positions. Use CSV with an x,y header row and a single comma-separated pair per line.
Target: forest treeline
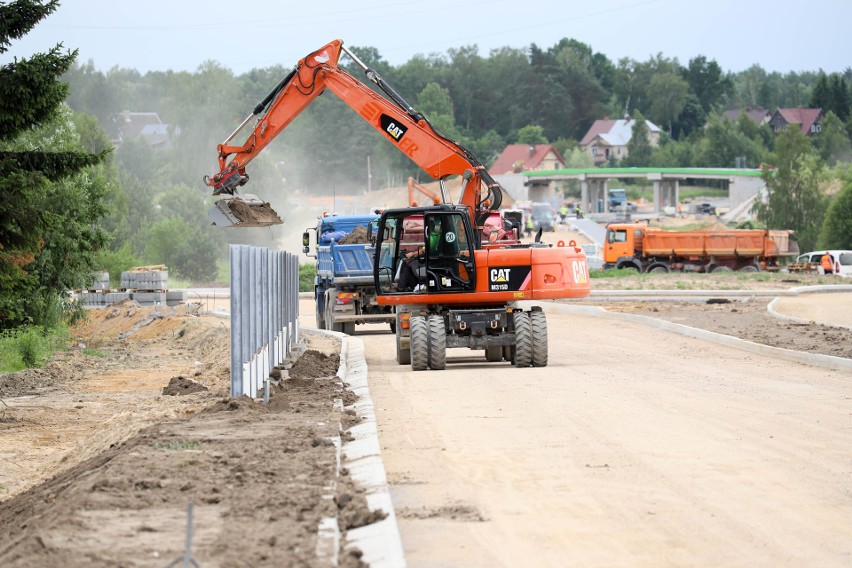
x,y
125,202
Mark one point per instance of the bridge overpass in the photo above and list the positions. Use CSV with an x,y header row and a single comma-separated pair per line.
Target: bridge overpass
x,y
742,183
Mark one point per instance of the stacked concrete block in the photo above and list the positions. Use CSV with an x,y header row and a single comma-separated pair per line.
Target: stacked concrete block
x,y
101,299
175,297
100,281
145,280
149,298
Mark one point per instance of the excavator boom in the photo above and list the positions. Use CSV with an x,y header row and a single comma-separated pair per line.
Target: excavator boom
x,y
394,118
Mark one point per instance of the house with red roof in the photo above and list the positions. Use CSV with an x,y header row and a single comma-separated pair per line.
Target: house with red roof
x,y
608,138
517,158
807,119
759,116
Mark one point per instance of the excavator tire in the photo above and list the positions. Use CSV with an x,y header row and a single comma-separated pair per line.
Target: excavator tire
x,y
538,323
523,340
437,343
419,331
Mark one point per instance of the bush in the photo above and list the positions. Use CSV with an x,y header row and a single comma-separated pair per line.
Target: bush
x,y
30,347
307,273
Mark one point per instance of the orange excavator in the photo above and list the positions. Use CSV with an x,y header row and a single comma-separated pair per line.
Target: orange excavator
x,y
449,286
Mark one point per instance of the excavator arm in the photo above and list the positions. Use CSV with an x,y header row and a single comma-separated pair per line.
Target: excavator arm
x,y
393,117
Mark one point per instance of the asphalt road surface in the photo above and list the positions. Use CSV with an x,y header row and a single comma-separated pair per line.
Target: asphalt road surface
x,y
634,447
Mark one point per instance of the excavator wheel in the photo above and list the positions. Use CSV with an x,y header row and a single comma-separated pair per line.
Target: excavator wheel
x,y
538,324
419,331
523,340
437,343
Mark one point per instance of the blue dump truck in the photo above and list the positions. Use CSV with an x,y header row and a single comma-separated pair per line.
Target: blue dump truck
x,y
344,290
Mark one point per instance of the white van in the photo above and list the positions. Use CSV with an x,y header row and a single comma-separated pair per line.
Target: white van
x,y
842,260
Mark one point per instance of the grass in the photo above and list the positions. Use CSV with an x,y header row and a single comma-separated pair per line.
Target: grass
x,y
92,352
179,445
29,347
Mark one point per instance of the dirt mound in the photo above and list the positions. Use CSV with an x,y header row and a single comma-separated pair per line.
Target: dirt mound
x,y
315,364
181,385
358,235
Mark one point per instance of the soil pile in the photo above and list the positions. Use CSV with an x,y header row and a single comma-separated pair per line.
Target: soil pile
x,y
253,215
358,235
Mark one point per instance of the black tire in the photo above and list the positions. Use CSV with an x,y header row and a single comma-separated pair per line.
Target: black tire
x,y
538,324
523,340
330,298
437,343
659,268
750,268
320,314
722,268
494,353
419,332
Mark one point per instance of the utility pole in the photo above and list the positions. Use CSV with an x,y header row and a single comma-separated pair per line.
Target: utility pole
x,y
369,176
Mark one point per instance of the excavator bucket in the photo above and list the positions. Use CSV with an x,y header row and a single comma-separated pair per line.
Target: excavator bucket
x,y
244,211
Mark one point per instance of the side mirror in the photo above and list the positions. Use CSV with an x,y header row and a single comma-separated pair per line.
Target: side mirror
x,y
306,242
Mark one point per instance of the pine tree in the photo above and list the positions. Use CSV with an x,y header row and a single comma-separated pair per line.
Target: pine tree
x,y
30,93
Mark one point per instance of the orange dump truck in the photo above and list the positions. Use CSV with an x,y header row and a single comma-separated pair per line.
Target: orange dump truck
x,y
647,249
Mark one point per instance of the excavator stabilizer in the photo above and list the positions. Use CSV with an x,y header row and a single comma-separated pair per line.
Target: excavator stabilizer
x,y
243,211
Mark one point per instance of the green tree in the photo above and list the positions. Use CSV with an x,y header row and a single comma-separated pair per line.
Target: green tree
x,y
794,198
639,146
181,237
435,103
706,80
47,241
532,134
832,142
668,94
836,230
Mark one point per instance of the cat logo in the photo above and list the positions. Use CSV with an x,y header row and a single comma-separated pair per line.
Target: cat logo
x,y
500,274
392,128
579,268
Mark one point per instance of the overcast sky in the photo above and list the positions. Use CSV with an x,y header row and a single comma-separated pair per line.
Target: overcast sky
x,y
780,35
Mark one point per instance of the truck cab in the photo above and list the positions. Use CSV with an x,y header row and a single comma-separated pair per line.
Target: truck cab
x,y
620,245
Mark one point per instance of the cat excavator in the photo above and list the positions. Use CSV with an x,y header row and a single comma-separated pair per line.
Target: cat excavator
x,y
449,286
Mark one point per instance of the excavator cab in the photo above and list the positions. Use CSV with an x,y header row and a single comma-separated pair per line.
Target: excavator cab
x,y
425,250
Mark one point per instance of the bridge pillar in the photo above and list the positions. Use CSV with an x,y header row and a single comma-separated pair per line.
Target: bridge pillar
x,y
657,196
584,194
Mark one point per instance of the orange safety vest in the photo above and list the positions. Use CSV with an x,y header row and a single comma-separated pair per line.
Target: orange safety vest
x,y
827,264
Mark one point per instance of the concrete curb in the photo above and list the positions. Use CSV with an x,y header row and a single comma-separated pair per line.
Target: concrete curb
x,y
805,290
817,360
380,542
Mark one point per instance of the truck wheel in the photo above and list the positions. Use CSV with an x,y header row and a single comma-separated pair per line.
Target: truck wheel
x,y
403,356
523,340
750,268
320,316
494,353
659,268
330,299
722,268
538,324
437,343
419,332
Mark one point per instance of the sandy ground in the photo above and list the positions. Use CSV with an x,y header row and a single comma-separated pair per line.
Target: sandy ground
x,y
634,447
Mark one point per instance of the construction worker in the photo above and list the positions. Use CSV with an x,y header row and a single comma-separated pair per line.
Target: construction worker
x,y
827,263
